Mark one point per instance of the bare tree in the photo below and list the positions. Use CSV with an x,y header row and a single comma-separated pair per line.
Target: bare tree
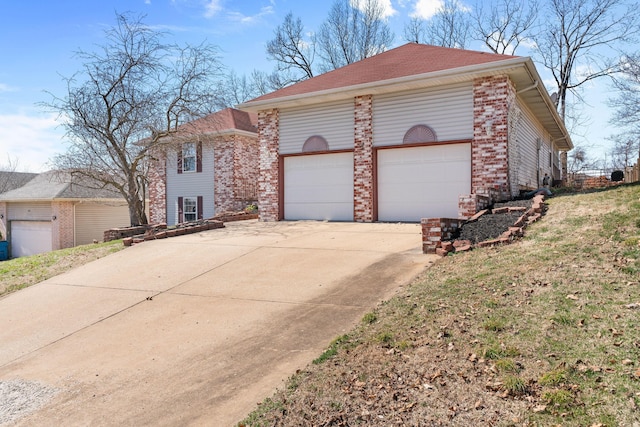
x,y
235,89
351,33
10,178
627,103
292,53
625,150
448,27
505,24
128,97
573,34
415,31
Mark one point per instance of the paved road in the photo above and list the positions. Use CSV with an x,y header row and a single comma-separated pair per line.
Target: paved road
x,y
195,330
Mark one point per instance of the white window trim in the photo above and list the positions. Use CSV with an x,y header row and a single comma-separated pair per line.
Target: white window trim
x,y
185,157
184,209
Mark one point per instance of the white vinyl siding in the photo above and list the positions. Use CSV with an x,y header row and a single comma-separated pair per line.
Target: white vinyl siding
x,y
529,158
448,110
36,211
190,184
92,219
334,122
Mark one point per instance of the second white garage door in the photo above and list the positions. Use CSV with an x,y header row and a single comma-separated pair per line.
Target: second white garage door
x,y
422,182
30,238
319,186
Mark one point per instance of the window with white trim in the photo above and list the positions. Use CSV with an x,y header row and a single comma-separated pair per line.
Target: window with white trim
x,y
190,209
189,156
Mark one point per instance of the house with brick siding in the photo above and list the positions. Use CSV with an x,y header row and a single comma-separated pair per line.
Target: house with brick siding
x,y
415,132
53,211
209,167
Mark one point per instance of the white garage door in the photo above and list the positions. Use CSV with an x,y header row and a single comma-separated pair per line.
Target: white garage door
x,y
319,186
30,238
422,182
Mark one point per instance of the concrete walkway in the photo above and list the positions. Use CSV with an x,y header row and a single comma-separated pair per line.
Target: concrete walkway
x,y
197,329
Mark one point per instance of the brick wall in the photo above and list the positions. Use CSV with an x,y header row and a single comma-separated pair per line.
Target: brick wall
x,y
492,98
157,178
246,157
435,230
223,197
363,159
268,181
62,227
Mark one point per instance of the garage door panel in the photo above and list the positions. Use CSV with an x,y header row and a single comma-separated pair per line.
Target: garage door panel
x,y
421,182
30,238
319,187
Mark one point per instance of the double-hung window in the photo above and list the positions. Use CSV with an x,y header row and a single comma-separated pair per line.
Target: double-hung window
x,y
189,156
190,209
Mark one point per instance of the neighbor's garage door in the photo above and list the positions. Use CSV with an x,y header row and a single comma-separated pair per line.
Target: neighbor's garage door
x,y
422,182
30,238
319,186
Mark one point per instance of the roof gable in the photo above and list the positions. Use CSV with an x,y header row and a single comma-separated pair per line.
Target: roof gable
x,y
224,121
407,60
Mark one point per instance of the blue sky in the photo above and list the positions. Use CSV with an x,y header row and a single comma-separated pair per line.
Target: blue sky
x,y
38,41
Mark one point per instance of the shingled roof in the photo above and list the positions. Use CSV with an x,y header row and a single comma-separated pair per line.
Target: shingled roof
x,y
224,121
408,60
54,185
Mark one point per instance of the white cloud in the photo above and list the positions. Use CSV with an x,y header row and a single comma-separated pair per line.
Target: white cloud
x,y
251,19
387,7
6,88
212,7
31,140
425,9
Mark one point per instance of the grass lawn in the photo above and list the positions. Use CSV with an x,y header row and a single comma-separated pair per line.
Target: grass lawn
x,y
545,331
19,273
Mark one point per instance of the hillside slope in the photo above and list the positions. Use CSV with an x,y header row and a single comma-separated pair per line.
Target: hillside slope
x,y
541,332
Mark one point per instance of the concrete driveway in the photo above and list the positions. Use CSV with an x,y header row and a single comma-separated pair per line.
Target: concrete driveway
x,y
195,330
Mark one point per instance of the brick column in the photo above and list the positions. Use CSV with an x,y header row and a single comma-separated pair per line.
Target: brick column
x,y
223,182
62,228
363,159
157,178
269,179
492,97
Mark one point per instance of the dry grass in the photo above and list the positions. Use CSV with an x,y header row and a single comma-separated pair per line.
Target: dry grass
x,y
20,273
541,332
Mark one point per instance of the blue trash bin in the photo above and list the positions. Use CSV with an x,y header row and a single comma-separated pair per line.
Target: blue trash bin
x,y
4,250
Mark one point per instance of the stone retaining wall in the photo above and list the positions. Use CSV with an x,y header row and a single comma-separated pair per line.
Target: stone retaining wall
x,y
438,232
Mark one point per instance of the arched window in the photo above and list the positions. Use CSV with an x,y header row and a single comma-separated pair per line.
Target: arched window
x,y
315,143
418,134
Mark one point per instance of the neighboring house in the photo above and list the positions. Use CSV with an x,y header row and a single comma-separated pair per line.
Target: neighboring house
x,y
13,180
210,166
49,213
417,131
